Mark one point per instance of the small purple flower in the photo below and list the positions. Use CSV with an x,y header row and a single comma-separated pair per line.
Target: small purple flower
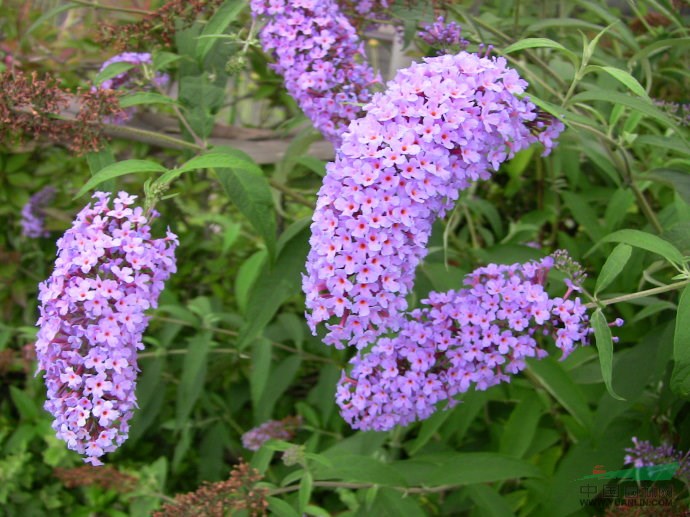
x,y
92,320
273,429
33,217
320,56
133,77
443,36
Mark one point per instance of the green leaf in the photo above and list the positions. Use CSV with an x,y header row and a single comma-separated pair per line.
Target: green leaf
x,y
26,407
519,430
193,376
557,382
665,142
246,277
219,22
389,502
112,70
281,378
119,169
602,334
428,429
489,500
139,98
621,76
304,494
98,161
680,378
359,469
467,468
539,43
583,214
281,508
613,266
249,190
278,282
50,13
643,106
645,241
260,369
678,179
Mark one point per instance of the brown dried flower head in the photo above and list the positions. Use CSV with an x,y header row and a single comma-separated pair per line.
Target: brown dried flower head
x,y
38,108
239,492
160,26
106,477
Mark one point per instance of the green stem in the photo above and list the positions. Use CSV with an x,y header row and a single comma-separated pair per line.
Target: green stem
x,y
357,486
150,137
291,193
641,294
95,5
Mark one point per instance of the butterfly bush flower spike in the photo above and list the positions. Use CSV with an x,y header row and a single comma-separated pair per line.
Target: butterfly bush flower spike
x,y
33,217
319,54
644,454
273,429
439,126
132,78
108,272
475,337
443,36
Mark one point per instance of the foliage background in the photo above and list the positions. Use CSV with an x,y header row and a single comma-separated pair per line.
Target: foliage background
x,y
228,348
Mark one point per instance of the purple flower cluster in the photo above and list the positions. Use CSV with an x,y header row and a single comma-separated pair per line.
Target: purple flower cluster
x,y
33,218
272,430
320,56
442,35
108,272
644,454
131,78
127,79
439,126
459,339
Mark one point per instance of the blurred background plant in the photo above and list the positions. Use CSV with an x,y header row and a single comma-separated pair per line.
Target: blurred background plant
x,y
228,348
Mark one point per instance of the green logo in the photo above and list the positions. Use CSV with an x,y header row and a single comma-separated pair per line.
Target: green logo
x,y
664,472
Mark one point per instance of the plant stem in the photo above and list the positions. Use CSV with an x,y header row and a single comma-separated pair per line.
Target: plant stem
x,y
291,193
641,294
150,137
356,486
95,5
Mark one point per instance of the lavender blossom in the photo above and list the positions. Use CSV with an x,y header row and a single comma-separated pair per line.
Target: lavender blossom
x,y
439,126
131,78
473,337
127,79
644,454
273,429
320,56
33,217
443,36
108,272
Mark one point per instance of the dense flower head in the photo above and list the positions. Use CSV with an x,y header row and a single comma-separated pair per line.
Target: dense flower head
x,y
320,56
439,126
128,78
442,35
273,429
33,217
108,272
473,337
644,454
